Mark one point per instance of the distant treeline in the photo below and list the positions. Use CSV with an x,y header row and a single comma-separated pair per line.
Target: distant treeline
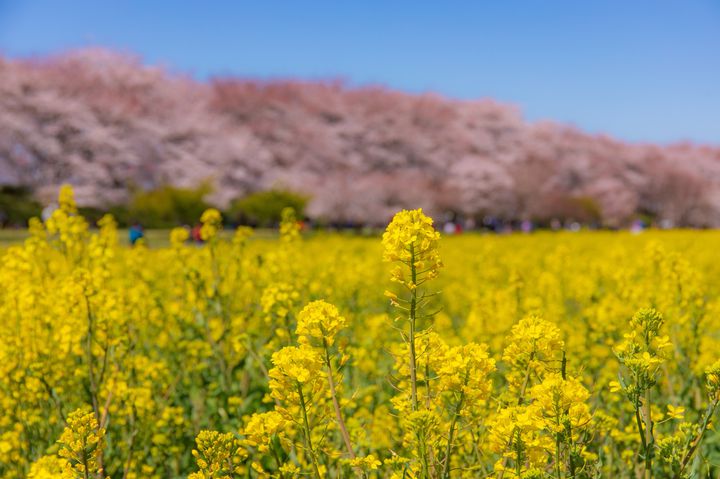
x,y
164,207
103,121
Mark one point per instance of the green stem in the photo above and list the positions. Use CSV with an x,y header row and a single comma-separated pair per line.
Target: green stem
x,y
277,460
571,461
448,451
518,452
640,427
521,398
557,449
423,456
413,313
306,429
336,404
526,380
88,354
648,436
691,449
557,456
86,472
91,372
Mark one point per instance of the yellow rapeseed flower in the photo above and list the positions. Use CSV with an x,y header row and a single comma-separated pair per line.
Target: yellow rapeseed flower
x,y
411,239
211,220
675,412
319,320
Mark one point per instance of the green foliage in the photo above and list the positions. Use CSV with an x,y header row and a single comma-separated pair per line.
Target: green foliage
x,y
166,206
589,207
584,209
93,214
17,205
265,207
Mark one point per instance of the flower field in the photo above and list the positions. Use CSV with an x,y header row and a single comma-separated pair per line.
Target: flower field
x,y
564,355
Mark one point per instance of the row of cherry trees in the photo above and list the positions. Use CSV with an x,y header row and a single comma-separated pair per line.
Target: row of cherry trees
x,y
104,122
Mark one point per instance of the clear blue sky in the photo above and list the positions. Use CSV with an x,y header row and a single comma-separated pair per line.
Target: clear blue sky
x,y
639,70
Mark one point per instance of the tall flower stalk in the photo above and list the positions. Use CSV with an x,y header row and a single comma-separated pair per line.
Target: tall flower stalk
x,y
296,383
411,242
642,354
318,324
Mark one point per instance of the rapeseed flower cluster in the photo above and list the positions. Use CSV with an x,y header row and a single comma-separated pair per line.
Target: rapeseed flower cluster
x,y
531,356
218,456
211,221
81,444
411,240
319,322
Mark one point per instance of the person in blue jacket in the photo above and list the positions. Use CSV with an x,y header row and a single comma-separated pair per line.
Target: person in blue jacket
x,y
136,233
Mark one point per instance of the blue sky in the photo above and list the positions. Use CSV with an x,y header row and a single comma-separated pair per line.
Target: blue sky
x,y
638,70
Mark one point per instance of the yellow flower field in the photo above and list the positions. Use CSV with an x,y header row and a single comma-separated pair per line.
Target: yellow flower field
x,y
563,355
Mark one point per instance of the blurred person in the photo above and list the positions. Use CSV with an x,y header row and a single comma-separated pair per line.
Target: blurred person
x,y
195,234
136,233
48,211
637,226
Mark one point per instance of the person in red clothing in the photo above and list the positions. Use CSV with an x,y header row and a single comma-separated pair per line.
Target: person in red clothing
x,y
195,234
